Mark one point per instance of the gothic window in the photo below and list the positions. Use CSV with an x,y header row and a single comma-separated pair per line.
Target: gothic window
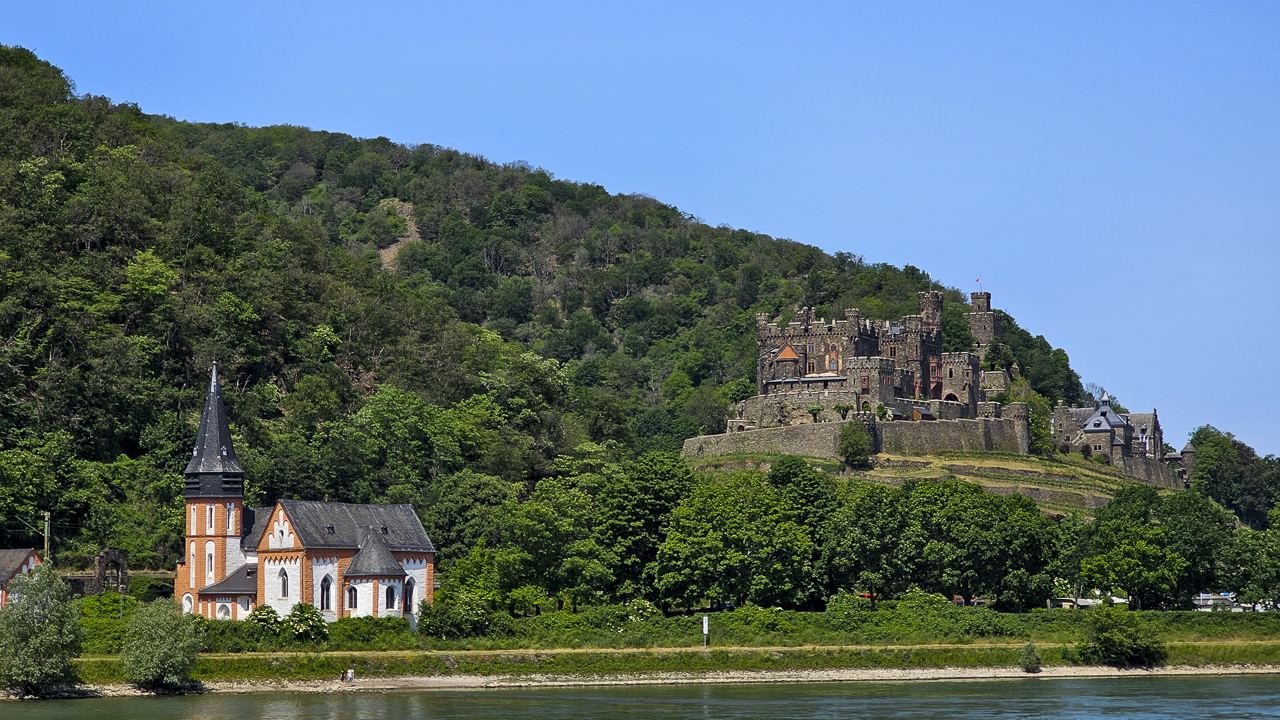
x,y
326,586
352,596
231,518
224,612
408,595
209,519
208,565
834,348
284,583
391,598
193,564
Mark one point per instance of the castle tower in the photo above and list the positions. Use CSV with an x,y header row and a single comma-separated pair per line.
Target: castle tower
x,y
984,324
214,493
960,378
931,310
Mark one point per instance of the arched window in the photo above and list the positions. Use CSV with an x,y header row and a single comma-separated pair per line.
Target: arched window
x,y
231,518
187,604
193,562
408,595
224,612
284,583
325,586
352,596
391,597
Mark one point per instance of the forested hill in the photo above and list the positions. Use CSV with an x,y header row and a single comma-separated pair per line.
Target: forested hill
x,y
540,328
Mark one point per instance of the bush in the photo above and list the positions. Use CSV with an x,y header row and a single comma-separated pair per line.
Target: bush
x,y
366,631
147,589
1029,661
39,633
266,618
1115,636
103,619
855,444
305,624
466,616
160,646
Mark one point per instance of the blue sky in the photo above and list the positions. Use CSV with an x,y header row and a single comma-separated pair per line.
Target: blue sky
x,y
1111,170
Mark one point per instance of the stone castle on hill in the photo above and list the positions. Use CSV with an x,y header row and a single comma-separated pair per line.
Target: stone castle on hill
x,y
894,375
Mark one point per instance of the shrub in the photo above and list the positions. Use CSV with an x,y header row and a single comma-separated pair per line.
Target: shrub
x,y
1116,636
39,633
855,444
1029,661
465,616
103,619
148,589
383,632
305,624
160,646
265,617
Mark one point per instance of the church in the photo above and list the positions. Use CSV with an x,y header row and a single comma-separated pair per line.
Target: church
x,y
345,559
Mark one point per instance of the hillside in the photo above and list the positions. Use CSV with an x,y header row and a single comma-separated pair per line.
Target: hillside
x,y
522,315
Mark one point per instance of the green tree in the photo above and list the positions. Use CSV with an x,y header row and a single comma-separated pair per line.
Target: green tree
x,y
734,542
39,633
854,444
636,509
865,546
160,646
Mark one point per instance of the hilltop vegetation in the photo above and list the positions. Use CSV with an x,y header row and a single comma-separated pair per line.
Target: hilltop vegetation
x,y
520,375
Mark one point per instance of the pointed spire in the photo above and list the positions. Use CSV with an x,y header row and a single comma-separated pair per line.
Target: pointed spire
x,y
1106,399
214,453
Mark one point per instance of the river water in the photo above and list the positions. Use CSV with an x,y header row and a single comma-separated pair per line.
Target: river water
x,y
1135,698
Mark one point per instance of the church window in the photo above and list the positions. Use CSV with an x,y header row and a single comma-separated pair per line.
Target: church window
x,y
208,566
352,597
284,583
391,598
209,517
408,595
325,587
193,564
231,518
193,519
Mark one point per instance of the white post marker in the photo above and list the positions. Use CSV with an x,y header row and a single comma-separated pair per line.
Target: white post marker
x,y
706,631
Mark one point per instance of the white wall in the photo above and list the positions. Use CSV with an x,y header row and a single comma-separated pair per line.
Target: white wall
x,y
417,569
320,568
271,581
365,590
281,537
383,584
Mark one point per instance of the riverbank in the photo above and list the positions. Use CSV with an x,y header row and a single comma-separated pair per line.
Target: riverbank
x,y
487,682
409,670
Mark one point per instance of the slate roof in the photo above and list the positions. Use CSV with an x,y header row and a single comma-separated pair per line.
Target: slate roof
x,y
1104,413
255,521
10,560
243,581
312,522
1142,420
374,558
1188,448
214,452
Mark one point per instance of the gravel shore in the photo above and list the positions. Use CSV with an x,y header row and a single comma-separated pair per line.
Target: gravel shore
x,y
481,682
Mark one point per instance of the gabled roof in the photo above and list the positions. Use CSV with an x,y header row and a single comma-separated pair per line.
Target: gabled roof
x,y
374,558
788,354
255,521
214,452
10,560
342,525
243,581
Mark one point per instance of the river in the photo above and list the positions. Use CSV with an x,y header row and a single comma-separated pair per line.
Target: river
x,y
1135,698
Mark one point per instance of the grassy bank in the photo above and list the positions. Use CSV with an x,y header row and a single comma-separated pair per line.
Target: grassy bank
x,y
287,667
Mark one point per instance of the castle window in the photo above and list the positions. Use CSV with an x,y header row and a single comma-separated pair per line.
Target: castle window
x,y
893,351
865,382
831,365
834,348
810,347
951,373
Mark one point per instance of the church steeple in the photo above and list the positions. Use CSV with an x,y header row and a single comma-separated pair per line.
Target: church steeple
x,y
214,470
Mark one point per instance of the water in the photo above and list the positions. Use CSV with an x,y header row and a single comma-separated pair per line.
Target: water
x,y
1137,698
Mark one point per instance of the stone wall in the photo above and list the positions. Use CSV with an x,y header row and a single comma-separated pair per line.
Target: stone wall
x,y
926,438
913,438
1153,471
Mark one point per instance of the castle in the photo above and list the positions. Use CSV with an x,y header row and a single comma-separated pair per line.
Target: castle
x,y
813,371
346,560
856,364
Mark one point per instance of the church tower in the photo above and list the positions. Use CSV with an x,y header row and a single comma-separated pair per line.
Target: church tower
x,y
214,493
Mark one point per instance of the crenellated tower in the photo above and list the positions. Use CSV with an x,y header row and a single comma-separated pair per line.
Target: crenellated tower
x,y
214,493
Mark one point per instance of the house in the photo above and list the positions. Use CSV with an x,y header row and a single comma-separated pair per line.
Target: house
x,y
14,562
348,560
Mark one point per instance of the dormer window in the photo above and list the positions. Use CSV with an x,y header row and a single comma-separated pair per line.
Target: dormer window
x,y
384,530
1097,423
330,529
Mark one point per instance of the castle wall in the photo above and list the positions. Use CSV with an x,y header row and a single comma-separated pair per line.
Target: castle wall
x,y
909,438
1152,471
926,438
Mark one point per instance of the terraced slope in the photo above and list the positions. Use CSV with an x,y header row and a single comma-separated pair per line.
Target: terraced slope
x,y
1057,485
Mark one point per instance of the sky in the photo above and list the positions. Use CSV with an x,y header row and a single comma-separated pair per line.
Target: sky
x,y
1110,170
